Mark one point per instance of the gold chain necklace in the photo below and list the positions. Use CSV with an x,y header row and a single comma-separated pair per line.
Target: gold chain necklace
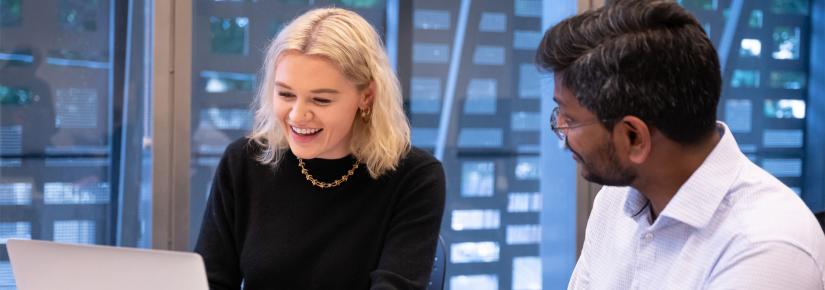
x,y
322,184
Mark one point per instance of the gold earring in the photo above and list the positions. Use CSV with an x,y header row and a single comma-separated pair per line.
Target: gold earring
x,y
365,115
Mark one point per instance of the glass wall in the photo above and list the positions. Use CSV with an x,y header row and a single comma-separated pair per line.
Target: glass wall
x,y
764,49
65,81
75,134
474,100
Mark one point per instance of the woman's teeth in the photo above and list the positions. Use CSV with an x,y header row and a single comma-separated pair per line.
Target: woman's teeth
x,y
305,131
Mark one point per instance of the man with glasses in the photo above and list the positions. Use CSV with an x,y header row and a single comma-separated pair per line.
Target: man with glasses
x,y
637,84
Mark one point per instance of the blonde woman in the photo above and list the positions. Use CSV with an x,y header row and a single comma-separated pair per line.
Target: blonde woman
x,y
326,192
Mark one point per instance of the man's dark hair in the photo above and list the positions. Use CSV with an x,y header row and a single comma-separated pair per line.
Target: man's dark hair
x,y
649,59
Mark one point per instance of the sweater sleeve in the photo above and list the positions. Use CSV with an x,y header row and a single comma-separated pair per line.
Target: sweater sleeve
x,y
216,241
409,248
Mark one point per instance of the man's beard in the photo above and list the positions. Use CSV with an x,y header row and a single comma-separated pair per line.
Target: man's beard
x,y
611,174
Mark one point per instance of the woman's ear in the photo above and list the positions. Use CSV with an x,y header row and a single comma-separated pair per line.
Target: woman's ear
x,y
367,97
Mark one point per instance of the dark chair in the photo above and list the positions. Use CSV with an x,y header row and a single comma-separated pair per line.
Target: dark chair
x,y
439,266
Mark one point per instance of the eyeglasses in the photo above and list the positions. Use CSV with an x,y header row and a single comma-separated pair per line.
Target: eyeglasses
x,y
561,131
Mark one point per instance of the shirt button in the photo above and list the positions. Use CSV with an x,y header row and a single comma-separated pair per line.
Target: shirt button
x,y
648,237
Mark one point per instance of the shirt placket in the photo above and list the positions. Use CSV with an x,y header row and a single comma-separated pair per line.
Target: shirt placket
x,y
645,259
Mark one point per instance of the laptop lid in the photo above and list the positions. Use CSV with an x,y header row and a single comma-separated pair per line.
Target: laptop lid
x,y
42,265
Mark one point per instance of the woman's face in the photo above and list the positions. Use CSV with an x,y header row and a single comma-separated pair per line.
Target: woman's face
x,y
316,105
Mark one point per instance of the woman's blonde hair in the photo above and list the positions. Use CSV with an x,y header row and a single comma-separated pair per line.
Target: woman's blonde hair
x,y
347,40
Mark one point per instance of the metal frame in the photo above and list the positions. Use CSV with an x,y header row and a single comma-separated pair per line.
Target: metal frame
x,y
728,33
171,93
391,32
452,77
125,221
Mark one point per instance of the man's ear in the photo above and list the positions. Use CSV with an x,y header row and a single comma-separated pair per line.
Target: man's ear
x,y
635,137
367,97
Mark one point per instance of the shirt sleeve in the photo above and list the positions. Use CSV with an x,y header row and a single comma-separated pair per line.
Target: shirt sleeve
x,y
579,279
767,265
216,241
409,248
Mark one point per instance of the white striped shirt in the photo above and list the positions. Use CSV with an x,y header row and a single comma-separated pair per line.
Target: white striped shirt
x,y
730,226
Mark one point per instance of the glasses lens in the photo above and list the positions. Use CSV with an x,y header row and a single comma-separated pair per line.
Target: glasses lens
x,y
554,125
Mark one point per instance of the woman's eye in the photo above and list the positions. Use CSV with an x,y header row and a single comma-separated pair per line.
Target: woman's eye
x,y
286,94
322,101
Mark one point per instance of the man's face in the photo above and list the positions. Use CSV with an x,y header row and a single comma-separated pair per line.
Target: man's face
x,y
589,141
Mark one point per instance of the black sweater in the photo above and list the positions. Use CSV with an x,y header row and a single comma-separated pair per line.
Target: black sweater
x,y
270,228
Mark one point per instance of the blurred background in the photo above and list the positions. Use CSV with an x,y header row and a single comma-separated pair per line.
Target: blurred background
x,y
114,115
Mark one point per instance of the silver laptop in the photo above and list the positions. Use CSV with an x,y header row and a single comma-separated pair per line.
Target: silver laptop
x,y
41,265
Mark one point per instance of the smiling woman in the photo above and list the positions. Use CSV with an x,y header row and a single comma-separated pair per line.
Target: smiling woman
x,y
326,192
316,104
352,57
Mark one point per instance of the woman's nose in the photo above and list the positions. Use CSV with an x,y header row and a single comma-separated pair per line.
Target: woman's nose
x,y
300,112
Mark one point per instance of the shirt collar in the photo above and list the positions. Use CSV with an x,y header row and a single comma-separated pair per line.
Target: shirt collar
x,y
635,202
699,197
